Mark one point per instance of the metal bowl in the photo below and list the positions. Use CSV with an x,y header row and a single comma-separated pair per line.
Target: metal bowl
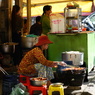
x,y
57,84
37,82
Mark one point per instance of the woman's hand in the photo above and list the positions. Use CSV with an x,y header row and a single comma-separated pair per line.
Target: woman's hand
x,y
56,63
62,63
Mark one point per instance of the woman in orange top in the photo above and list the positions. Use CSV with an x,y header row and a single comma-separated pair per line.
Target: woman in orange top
x,y
34,61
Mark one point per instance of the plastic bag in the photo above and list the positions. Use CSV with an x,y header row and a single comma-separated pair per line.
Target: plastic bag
x,y
19,89
57,23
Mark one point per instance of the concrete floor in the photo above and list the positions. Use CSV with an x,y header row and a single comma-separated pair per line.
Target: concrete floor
x,y
87,88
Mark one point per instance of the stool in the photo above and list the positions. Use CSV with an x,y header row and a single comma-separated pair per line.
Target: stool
x,y
25,80
41,88
56,88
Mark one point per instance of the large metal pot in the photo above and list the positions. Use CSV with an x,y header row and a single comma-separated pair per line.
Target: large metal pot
x,y
38,81
8,47
28,42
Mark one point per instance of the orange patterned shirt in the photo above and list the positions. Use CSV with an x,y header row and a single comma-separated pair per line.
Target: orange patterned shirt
x,y
32,57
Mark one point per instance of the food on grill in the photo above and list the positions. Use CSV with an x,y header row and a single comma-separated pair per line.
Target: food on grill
x,y
74,68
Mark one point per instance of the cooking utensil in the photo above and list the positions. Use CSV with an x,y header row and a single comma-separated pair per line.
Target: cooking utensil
x,y
28,42
60,63
3,71
8,47
75,56
71,66
38,81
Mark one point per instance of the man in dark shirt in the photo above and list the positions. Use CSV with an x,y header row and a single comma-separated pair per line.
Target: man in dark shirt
x,y
36,28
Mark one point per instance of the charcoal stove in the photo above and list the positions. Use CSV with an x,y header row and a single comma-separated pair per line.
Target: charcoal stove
x,y
70,76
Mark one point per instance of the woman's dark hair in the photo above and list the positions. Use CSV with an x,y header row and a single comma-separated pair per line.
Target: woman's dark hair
x,y
46,8
40,48
36,46
15,9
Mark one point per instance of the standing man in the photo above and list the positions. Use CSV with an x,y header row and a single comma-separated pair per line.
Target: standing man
x,y
36,28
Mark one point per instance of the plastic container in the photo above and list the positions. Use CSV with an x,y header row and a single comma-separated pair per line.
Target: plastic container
x,y
9,81
57,23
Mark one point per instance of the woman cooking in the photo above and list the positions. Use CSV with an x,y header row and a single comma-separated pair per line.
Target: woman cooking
x,y
35,62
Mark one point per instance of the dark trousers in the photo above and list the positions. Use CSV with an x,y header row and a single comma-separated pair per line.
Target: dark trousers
x,y
17,56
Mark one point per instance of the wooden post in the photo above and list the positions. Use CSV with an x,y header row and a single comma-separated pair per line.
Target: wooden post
x,y
29,14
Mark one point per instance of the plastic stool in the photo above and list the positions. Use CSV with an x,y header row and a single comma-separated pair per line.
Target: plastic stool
x,y
25,80
55,88
41,88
